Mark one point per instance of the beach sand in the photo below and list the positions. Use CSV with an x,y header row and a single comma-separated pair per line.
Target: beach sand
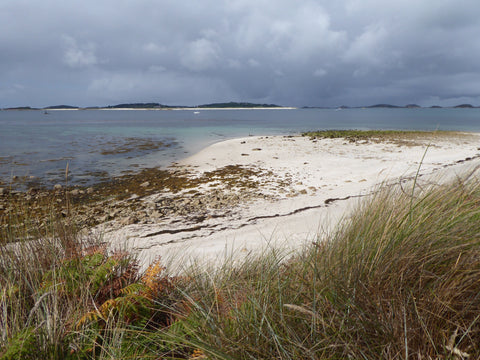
x,y
299,190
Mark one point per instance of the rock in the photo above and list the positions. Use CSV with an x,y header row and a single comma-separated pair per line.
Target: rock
x,y
129,220
196,202
155,215
151,205
142,219
182,212
112,213
3,191
58,187
103,219
90,190
32,191
75,192
145,184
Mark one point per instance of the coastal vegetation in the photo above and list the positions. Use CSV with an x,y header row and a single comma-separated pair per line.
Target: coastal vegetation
x,y
399,279
399,137
365,134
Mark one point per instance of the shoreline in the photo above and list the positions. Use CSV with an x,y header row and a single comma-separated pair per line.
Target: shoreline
x,y
261,192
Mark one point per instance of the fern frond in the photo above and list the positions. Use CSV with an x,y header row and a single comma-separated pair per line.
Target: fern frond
x,y
136,288
89,317
108,307
153,273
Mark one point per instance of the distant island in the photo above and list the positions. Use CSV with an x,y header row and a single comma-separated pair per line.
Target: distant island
x,y
232,104
238,105
390,106
22,108
466,106
225,105
383,106
60,107
138,106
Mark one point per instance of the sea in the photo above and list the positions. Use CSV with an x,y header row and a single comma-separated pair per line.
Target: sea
x,y
38,147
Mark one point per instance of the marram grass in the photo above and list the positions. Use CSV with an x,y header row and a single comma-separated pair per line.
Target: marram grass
x,y
399,279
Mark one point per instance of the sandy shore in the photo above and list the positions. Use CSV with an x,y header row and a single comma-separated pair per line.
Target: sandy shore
x,y
301,189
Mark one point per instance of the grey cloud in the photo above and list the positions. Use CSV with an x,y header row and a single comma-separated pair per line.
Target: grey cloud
x,y
76,55
313,52
201,54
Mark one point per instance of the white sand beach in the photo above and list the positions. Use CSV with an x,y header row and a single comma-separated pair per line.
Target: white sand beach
x,y
303,187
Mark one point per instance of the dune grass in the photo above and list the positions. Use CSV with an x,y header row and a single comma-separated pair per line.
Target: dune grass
x,y
399,279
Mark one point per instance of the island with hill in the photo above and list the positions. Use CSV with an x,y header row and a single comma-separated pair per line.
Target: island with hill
x,y
233,104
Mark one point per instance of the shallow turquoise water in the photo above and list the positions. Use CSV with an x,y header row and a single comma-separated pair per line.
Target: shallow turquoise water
x,y
41,145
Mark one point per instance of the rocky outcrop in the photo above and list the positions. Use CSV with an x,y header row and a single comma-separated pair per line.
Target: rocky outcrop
x,y
147,198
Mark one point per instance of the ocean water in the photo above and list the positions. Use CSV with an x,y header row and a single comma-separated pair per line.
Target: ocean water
x,y
99,144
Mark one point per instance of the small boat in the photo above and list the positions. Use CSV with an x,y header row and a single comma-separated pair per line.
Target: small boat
x,y
46,112
196,112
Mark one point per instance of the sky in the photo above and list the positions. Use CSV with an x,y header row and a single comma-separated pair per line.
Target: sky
x,y
287,52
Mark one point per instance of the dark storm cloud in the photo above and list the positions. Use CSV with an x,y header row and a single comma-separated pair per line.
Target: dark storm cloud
x,y
307,52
